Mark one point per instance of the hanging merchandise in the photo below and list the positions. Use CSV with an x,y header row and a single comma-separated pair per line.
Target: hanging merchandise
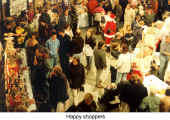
x,y
17,80
38,3
16,6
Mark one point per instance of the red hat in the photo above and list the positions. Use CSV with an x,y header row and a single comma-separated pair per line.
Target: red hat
x,y
134,72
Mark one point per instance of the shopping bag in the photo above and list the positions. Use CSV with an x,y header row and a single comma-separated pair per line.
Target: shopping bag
x,y
83,60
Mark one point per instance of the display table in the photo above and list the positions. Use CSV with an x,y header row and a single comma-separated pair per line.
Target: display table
x,y
154,83
17,79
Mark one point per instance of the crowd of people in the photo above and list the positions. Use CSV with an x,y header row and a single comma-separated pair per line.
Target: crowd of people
x,y
135,33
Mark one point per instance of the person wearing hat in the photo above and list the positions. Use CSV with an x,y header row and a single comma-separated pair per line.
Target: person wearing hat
x,y
53,45
110,27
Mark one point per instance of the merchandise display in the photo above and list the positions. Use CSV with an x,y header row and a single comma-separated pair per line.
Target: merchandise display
x,y
17,79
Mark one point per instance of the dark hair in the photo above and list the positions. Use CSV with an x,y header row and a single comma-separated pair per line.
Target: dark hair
x,y
125,48
66,26
60,29
53,33
100,44
167,93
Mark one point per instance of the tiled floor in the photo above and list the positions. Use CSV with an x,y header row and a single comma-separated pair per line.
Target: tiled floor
x,y
90,85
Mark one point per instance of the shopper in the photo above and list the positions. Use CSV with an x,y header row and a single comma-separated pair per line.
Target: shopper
x,y
53,45
100,63
76,78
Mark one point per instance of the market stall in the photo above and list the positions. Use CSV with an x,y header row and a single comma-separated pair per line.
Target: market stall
x,y
17,79
16,6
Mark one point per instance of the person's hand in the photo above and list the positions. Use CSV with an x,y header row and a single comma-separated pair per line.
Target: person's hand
x,y
35,61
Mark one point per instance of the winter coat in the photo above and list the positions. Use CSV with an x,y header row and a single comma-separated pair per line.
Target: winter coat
x,y
58,88
65,45
63,21
77,44
132,94
45,18
64,52
91,41
100,58
76,76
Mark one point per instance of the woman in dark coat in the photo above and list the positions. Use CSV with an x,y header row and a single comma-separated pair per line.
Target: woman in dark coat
x,y
76,74
132,91
58,88
76,77
31,45
77,43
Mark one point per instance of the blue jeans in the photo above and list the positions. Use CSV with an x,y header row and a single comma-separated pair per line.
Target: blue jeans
x,y
163,66
120,77
89,61
54,61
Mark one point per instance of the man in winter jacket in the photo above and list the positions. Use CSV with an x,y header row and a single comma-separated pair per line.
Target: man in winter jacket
x,y
100,62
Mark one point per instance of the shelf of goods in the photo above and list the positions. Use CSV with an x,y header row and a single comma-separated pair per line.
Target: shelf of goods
x,y
17,79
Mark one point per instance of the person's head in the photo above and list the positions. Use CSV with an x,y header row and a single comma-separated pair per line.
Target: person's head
x,y
8,25
54,36
39,51
125,48
89,32
141,23
88,98
128,28
67,27
167,92
78,31
109,12
33,35
136,77
101,45
66,12
57,69
75,61
61,32
45,53
116,2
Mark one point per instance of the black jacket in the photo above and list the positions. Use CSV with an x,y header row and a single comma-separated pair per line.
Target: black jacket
x,y
76,76
132,94
100,58
91,41
77,44
58,89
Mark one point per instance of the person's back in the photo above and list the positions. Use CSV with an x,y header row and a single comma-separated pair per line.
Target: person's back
x,y
124,63
150,104
100,57
132,91
77,44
